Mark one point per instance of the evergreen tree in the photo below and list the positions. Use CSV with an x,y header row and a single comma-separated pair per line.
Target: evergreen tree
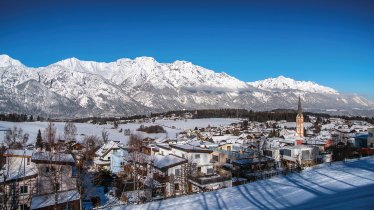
x,y
39,140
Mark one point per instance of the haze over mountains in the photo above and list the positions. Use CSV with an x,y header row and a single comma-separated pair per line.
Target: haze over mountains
x,y
74,88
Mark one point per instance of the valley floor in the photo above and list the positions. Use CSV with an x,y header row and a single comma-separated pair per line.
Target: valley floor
x,y
342,185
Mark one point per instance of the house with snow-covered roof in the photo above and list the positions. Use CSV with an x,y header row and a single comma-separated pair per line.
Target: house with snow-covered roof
x,y
104,154
171,172
56,171
117,159
200,156
17,179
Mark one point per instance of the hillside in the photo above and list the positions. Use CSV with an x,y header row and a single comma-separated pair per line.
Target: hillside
x,y
347,185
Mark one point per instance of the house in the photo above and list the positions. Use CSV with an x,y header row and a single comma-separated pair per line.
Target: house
x,y
228,152
149,149
253,168
171,172
164,149
76,147
117,159
370,137
199,156
104,153
17,179
203,178
56,172
303,155
361,141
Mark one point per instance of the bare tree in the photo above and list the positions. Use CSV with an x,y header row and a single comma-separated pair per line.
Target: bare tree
x,y
70,131
91,143
136,162
53,173
105,136
50,135
15,138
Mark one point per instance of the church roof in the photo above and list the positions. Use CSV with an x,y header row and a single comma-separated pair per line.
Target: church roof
x,y
299,110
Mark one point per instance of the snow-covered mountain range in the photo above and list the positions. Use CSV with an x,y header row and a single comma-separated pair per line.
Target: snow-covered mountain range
x,y
126,87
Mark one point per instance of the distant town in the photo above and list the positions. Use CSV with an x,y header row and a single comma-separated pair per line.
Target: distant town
x,y
164,156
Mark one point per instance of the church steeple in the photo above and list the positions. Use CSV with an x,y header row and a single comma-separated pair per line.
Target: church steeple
x,y
299,120
299,110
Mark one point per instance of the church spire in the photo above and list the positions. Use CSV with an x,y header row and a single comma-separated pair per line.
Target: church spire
x,y
299,110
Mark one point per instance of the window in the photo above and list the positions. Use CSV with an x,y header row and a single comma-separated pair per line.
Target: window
x,y
215,158
28,161
24,189
57,185
74,171
199,169
286,152
305,154
268,153
177,172
49,169
122,163
176,186
209,171
67,206
23,206
197,156
228,148
108,158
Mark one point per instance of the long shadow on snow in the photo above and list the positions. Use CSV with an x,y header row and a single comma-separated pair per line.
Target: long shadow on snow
x,y
357,198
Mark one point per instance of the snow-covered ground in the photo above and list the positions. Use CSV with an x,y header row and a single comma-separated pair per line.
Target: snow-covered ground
x,y
84,129
347,185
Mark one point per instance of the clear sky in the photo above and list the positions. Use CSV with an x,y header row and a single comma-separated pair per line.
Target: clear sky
x,y
330,42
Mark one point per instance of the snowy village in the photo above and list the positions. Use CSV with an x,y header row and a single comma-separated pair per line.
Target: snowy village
x,y
155,159
186,105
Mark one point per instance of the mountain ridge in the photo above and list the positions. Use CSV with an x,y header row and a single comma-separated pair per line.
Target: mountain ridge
x,y
143,85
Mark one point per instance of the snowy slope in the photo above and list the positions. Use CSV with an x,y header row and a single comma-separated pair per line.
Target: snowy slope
x,y
86,129
72,87
339,186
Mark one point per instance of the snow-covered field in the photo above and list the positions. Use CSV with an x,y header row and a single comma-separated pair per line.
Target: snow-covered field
x,y
84,129
347,185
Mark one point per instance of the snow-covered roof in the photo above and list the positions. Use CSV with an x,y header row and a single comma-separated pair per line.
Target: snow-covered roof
x,y
18,152
106,148
190,148
101,162
164,162
17,168
164,146
48,200
57,157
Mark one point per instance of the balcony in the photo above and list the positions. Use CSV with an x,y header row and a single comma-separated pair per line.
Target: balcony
x,y
161,178
205,180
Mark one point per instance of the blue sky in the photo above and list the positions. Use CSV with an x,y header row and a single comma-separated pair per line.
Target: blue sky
x,y
329,42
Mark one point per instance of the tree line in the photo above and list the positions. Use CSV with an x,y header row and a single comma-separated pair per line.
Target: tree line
x,y
259,116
